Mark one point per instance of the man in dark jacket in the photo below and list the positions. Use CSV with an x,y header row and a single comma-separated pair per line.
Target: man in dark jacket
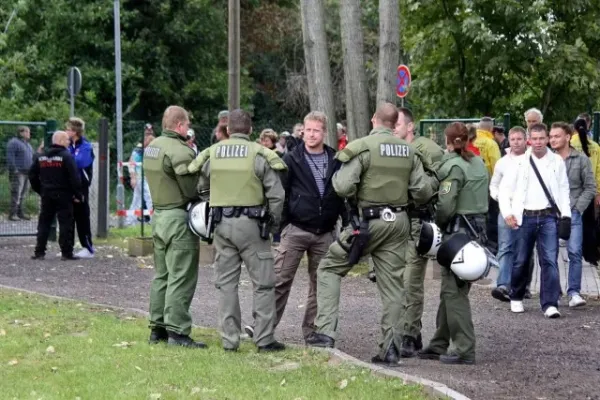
x,y
55,178
310,213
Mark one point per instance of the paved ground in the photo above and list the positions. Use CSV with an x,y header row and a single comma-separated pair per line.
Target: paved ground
x,y
518,356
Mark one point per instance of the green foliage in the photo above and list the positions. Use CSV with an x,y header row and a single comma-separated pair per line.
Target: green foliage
x,y
486,57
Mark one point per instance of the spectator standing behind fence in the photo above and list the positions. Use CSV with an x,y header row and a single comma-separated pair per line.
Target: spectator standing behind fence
x,y
501,139
506,235
142,200
582,189
530,211
310,213
54,176
148,130
83,153
341,136
19,156
220,131
191,140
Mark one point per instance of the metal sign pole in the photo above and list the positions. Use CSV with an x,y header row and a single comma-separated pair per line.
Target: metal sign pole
x,y
119,106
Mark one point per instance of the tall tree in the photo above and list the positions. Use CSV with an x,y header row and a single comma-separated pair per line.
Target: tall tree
x,y
357,108
389,49
317,63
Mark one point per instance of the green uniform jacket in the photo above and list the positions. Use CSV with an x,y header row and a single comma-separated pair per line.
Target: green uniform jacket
x,y
429,148
166,159
266,169
381,169
463,189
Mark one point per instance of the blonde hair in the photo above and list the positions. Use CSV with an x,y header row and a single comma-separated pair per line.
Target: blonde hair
x,y
174,115
76,125
317,116
270,134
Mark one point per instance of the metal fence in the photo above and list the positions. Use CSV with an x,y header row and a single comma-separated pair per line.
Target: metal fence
x,y
19,205
434,128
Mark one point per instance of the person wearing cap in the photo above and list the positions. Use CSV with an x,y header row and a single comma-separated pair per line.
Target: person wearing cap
x,y
461,207
191,140
148,130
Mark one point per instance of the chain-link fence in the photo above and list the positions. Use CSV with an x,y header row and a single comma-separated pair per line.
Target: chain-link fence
x,y
434,128
19,205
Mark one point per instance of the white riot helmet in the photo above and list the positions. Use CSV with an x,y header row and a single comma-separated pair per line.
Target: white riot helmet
x,y
466,258
200,218
430,240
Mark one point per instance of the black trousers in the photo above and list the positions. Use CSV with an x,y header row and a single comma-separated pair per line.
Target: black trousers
x,y
60,205
81,213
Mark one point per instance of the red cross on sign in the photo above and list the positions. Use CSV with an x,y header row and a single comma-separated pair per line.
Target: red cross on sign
x,y
403,80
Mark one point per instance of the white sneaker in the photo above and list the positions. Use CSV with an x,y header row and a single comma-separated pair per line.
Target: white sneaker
x,y
552,312
516,306
84,253
576,301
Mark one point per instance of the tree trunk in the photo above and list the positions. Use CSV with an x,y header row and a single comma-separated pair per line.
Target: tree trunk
x,y
389,50
357,107
316,58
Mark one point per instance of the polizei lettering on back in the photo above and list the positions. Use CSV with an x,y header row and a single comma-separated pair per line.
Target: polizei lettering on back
x,y
152,152
393,150
232,151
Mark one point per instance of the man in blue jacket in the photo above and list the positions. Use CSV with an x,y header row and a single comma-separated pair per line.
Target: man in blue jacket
x,y
83,154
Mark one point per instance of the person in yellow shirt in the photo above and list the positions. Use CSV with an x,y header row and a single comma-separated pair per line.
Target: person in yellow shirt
x,y
488,148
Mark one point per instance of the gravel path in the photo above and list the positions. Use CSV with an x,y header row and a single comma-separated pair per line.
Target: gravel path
x,y
518,356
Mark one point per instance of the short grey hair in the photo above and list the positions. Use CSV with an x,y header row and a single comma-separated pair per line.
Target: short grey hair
x,y
57,136
535,111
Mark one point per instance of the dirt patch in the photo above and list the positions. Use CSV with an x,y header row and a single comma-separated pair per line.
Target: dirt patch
x,y
518,356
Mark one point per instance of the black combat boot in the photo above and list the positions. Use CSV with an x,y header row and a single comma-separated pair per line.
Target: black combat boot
x,y
391,357
158,335
184,341
274,346
453,358
409,347
428,354
320,340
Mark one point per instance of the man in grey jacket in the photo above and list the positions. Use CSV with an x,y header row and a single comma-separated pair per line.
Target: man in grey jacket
x,y
582,189
19,156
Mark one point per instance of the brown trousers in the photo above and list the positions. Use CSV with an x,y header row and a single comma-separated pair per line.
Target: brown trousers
x,y
294,243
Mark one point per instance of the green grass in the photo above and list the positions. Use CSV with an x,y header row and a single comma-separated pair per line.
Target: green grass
x,y
54,349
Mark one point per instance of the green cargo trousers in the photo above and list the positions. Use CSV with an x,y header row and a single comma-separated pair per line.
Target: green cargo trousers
x,y
237,240
414,278
387,249
453,320
176,256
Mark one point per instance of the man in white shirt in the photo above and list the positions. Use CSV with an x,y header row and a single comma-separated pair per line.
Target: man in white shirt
x,y
530,211
517,138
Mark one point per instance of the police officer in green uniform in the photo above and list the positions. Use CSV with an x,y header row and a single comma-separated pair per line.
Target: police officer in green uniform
x,y
461,207
379,172
247,197
176,248
414,274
